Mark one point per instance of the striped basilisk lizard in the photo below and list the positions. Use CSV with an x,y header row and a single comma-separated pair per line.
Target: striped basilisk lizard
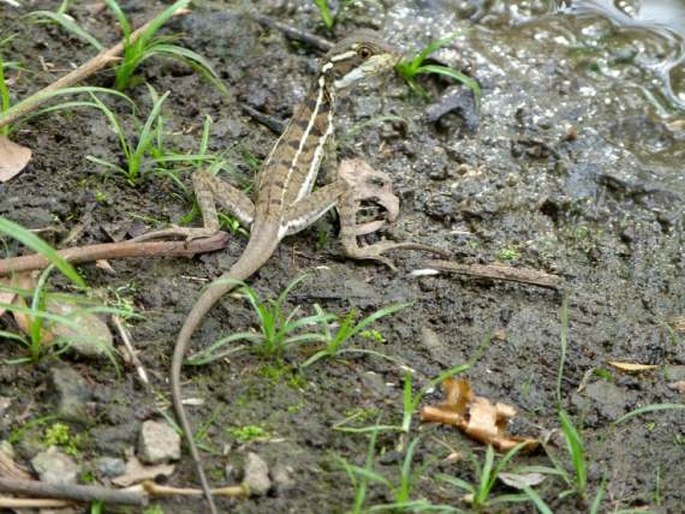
x,y
285,202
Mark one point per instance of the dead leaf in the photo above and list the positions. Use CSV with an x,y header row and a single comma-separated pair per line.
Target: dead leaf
x,y
92,338
137,472
521,480
677,323
13,158
10,469
631,366
6,297
476,416
678,386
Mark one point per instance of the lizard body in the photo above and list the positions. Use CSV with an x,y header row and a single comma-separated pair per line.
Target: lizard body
x,y
285,202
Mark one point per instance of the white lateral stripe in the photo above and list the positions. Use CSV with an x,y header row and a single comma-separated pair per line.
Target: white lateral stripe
x,y
305,136
313,170
295,225
342,56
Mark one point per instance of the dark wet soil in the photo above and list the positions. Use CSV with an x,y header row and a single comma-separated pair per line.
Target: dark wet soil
x,y
537,183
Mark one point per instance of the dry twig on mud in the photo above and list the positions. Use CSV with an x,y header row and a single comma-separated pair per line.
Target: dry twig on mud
x,y
81,493
120,250
500,272
297,34
132,352
154,489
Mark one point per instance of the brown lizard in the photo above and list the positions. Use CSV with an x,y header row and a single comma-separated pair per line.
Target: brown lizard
x,y
285,202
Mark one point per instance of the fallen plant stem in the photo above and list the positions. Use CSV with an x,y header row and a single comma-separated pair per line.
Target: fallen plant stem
x,y
154,489
297,34
119,250
32,503
73,77
499,272
80,493
133,354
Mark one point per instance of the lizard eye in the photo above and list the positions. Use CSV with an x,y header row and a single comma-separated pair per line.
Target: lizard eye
x,y
364,52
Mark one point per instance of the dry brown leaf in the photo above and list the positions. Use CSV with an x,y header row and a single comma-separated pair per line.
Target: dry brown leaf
x,y
521,480
92,338
631,366
10,469
13,158
6,297
476,416
678,386
677,323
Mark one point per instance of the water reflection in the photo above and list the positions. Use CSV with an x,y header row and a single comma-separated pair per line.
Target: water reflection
x,y
657,30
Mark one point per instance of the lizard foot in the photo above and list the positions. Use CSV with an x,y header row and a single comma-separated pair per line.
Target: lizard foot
x,y
176,232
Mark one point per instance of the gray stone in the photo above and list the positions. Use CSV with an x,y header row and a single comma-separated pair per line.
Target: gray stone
x,y
158,443
609,399
5,403
117,439
283,478
674,373
110,466
73,394
256,475
91,338
373,385
55,467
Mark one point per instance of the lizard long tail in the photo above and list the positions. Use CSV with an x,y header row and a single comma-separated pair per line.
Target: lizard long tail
x,y
256,253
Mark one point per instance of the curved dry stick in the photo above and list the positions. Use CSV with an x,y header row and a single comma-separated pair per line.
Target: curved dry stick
x,y
121,250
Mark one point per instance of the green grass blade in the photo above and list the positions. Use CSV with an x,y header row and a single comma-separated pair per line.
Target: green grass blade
x,y
68,24
649,408
325,12
120,16
381,313
13,335
487,477
459,483
432,47
563,341
147,133
146,37
575,450
192,59
597,501
34,242
469,82
4,97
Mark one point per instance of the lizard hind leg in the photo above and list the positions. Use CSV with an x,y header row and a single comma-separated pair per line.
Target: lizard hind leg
x,y
209,190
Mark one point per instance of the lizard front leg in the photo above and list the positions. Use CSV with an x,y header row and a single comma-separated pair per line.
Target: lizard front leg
x,y
365,183
209,190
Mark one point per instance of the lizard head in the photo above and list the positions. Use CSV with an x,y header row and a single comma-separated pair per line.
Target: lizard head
x,y
357,57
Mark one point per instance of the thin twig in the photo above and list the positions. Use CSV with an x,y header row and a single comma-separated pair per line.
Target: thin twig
x,y
274,124
32,503
118,251
154,489
74,77
500,272
142,374
81,493
297,34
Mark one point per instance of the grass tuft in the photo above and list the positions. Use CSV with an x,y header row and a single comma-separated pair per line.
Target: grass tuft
x,y
410,68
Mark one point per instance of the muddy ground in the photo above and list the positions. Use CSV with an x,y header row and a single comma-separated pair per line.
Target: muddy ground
x,y
546,176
